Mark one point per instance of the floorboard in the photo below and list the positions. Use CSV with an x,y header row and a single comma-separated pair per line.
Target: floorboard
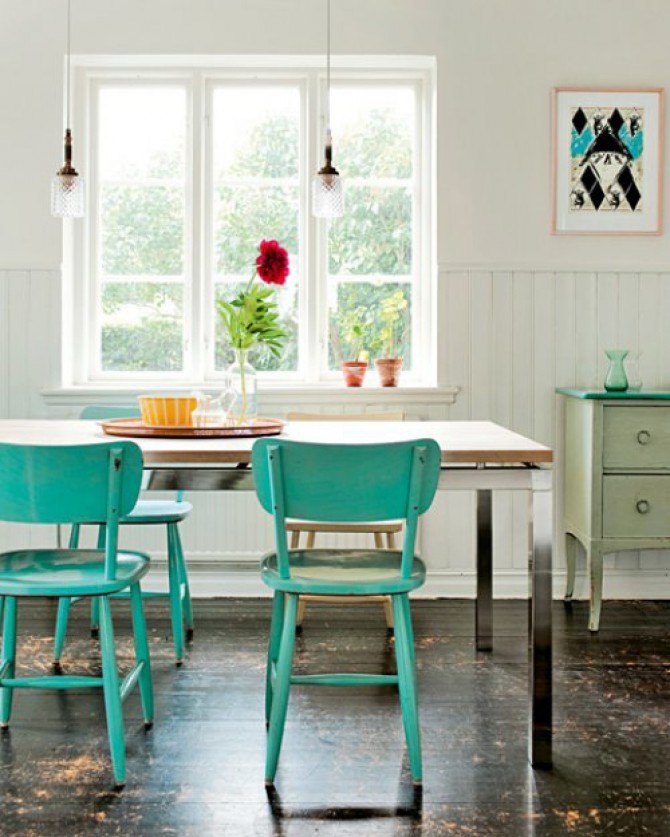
x,y
343,768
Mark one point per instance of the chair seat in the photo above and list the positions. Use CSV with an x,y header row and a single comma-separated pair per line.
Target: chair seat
x,y
382,527
67,572
343,572
158,511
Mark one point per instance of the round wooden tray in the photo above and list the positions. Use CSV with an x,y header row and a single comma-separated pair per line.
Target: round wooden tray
x,y
135,427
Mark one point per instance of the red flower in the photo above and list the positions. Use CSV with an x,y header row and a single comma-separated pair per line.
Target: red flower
x,y
272,264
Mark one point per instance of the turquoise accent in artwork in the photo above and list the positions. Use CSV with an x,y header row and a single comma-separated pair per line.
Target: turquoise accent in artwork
x,y
635,144
580,142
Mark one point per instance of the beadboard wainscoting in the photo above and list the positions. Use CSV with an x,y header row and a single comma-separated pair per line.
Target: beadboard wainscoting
x,y
506,338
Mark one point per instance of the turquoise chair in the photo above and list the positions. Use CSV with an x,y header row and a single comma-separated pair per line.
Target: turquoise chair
x,y
146,512
59,484
349,483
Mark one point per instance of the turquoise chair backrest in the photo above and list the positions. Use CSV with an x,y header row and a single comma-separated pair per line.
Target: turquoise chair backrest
x,y
345,483
71,484
99,412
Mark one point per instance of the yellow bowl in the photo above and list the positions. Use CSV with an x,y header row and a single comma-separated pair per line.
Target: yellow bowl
x,y
167,410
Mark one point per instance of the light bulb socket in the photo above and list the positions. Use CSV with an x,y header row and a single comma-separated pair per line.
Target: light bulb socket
x,y
67,169
328,167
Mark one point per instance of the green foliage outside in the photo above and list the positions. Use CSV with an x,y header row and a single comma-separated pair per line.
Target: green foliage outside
x,y
142,230
153,340
157,348
143,235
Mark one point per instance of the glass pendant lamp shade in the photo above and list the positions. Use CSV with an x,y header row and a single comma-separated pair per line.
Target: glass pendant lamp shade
x,y
327,196
327,191
67,187
67,196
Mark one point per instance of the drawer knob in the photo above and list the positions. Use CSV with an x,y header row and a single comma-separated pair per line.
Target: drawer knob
x,y
644,437
643,506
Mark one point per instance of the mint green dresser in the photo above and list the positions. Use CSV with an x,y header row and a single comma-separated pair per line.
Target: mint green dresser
x,y
616,479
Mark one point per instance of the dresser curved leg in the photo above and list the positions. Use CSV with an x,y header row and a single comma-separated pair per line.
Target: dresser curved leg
x,y
594,560
571,562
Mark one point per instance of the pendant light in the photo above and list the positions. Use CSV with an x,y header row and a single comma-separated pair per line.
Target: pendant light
x,y
67,188
327,193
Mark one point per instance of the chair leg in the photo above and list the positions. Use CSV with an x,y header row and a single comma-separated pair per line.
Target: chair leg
x,y
390,540
295,539
74,536
282,688
142,656
379,540
111,689
276,625
95,601
571,565
302,607
311,540
594,562
8,656
95,619
64,604
388,612
184,585
407,684
2,607
410,636
175,594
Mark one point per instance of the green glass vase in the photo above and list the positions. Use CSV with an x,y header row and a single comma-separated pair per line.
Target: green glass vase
x,y
616,380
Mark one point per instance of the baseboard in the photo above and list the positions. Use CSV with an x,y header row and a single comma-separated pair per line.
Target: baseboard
x,y
211,578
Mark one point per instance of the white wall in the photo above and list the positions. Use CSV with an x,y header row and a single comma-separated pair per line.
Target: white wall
x,y
523,310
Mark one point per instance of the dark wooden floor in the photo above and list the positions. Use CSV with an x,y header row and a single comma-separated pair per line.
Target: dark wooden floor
x,y
343,769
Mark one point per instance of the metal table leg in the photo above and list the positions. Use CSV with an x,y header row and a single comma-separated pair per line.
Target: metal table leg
x,y
540,526
484,605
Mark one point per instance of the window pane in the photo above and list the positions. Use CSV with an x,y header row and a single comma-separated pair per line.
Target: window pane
x,y
375,233
260,357
373,130
383,314
142,326
255,148
244,216
141,132
256,131
141,174
142,230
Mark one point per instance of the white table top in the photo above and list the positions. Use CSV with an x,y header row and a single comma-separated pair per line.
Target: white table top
x,y
460,441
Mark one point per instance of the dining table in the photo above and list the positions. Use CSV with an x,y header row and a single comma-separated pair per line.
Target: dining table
x,y
478,456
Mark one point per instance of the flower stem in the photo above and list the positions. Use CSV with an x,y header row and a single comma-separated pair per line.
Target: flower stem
x,y
241,361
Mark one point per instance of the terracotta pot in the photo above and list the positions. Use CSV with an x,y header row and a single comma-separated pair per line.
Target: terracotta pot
x,y
354,372
388,369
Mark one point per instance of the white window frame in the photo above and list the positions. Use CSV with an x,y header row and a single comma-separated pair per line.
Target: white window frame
x,y
200,74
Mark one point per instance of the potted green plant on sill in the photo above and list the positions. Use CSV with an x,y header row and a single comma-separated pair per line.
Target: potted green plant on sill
x,y
354,329
389,364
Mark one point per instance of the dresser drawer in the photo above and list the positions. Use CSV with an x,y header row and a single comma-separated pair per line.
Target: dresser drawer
x,y
636,507
636,437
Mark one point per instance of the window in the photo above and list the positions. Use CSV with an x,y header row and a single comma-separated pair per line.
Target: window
x,y
190,167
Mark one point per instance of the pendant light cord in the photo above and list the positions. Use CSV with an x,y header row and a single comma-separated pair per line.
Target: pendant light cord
x,y
327,64
67,71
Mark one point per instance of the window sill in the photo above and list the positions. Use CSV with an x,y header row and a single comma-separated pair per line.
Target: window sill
x,y
269,395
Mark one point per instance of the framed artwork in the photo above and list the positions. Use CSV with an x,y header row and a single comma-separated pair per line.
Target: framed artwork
x,y
607,161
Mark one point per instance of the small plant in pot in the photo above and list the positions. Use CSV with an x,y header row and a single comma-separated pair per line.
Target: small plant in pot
x,y
389,364
354,370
